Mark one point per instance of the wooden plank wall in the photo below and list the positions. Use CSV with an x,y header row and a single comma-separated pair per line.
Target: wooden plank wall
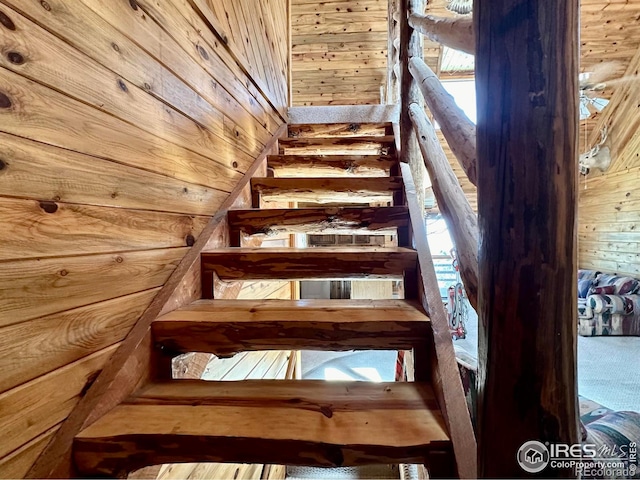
x,y
609,203
339,51
124,124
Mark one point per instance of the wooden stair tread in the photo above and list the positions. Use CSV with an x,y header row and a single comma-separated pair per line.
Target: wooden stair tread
x,y
338,129
288,422
348,141
309,263
230,326
328,189
371,145
318,220
315,165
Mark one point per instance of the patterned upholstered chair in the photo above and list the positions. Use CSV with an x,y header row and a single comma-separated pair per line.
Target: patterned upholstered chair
x,y
608,304
607,429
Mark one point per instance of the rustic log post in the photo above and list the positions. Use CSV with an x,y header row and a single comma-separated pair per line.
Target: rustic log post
x,y
453,32
411,45
527,85
461,220
393,53
459,131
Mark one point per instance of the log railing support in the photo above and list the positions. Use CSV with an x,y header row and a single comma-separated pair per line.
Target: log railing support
x,y
527,90
411,45
393,54
445,375
453,32
459,131
460,217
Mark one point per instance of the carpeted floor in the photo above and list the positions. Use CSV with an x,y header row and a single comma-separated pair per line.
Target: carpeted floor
x,y
608,367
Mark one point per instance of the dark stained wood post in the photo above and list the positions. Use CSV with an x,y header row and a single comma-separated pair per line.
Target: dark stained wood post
x,y
527,86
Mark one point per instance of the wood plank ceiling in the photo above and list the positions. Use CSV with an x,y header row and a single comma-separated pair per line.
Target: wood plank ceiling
x,y
339,52
339,46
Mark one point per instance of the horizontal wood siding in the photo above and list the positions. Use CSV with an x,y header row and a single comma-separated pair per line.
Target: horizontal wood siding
x,y
124,126
339,51
609,207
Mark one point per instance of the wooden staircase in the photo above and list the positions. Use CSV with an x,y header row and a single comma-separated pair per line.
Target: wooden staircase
x,y
312,423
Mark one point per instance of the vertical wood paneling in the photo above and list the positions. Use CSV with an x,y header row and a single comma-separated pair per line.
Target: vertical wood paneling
x,y
247,27
609,203
124,126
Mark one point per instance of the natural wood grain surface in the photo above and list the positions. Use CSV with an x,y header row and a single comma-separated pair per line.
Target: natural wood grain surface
x,y
527,140
257,36
331,165
130,363
321,424
45,173
33,288
410,45
300,263
462,222
34,348
17,463
339,130
338,145
45,401
223,326
48,229
458,130
318,220
456,32
439,361
609,207
327,190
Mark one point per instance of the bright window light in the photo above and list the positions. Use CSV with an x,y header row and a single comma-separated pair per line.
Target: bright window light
x,y
369,373
331,373
464,93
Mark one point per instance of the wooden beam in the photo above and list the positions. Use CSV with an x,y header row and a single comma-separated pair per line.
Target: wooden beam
x,y
453,32
328,189
231,326
319,220
411,45
127,367
302,263
331,165
446,377
338,145
313,423
460,217
393,53
459,131
527,84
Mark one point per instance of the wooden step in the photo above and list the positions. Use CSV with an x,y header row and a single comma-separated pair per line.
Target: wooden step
x,y
309,263
231,326
339,145
330,220
326,189
340,130
314,423
326,165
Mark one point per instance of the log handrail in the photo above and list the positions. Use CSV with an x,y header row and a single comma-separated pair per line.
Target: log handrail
x,y
458,130
458,214
453,32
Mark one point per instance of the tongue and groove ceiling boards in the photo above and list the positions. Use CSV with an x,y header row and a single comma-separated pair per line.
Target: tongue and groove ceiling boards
x,y
124,125
339,51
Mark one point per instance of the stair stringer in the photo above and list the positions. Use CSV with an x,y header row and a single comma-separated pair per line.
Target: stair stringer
x,y
444,373
130,365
